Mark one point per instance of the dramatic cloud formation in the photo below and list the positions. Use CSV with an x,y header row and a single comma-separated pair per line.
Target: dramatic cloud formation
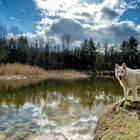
x,y
87,18
109,21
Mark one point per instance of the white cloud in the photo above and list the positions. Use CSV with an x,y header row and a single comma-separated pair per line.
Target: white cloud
x,y
14,19
30,35
46,21
138,28
51,5
23,10
9,36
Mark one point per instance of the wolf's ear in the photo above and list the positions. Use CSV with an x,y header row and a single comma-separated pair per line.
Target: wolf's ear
x,y
124,66
116,66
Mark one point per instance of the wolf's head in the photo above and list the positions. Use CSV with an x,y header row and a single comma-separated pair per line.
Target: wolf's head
x,y
120,71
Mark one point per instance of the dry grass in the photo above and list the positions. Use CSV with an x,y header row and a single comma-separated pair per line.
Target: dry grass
x,y
19,69
33,71
65,74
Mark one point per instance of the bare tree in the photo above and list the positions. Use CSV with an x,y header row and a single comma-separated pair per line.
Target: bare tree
x,y
3,31
50,47
50,39
15,30
66,40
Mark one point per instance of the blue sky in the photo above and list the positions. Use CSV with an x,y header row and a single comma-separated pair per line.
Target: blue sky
x,y
21,13
104,20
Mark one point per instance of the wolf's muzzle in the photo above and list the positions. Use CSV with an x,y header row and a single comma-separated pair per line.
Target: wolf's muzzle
x,y
120,77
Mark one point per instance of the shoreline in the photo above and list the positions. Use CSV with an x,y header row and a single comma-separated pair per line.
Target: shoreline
x,y
51,74
19,71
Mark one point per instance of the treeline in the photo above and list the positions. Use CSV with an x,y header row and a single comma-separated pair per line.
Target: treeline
x,y
48,57
88,56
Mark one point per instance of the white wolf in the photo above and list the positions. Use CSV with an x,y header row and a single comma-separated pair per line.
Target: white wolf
x,y
129,79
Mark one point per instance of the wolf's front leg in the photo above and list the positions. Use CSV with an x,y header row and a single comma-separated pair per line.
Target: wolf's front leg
x,y
134,93
126,91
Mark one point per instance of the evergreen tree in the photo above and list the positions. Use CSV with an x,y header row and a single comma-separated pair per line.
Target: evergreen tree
x,y
46,56
106,54
129,52
91,54
83,56
22,49
13,56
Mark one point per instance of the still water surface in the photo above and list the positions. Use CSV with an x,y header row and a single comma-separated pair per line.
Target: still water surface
x,y
54,109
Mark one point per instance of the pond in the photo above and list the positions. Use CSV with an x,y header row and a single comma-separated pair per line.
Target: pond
x,y
54,109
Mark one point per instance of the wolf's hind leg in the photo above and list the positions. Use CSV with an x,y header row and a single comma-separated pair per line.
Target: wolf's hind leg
x,y
134,93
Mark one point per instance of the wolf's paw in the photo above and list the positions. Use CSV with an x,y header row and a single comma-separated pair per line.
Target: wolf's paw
x,y
133,100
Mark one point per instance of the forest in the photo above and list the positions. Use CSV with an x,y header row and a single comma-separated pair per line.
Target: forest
x,y
89,55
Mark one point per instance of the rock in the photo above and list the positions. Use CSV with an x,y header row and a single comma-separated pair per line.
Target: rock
x,y
120,122
2,136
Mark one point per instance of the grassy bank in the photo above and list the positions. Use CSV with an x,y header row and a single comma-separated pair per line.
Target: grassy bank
x,y
20,69
121,122
15,70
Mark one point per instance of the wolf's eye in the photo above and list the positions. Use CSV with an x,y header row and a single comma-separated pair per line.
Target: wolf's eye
x,y
122,71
